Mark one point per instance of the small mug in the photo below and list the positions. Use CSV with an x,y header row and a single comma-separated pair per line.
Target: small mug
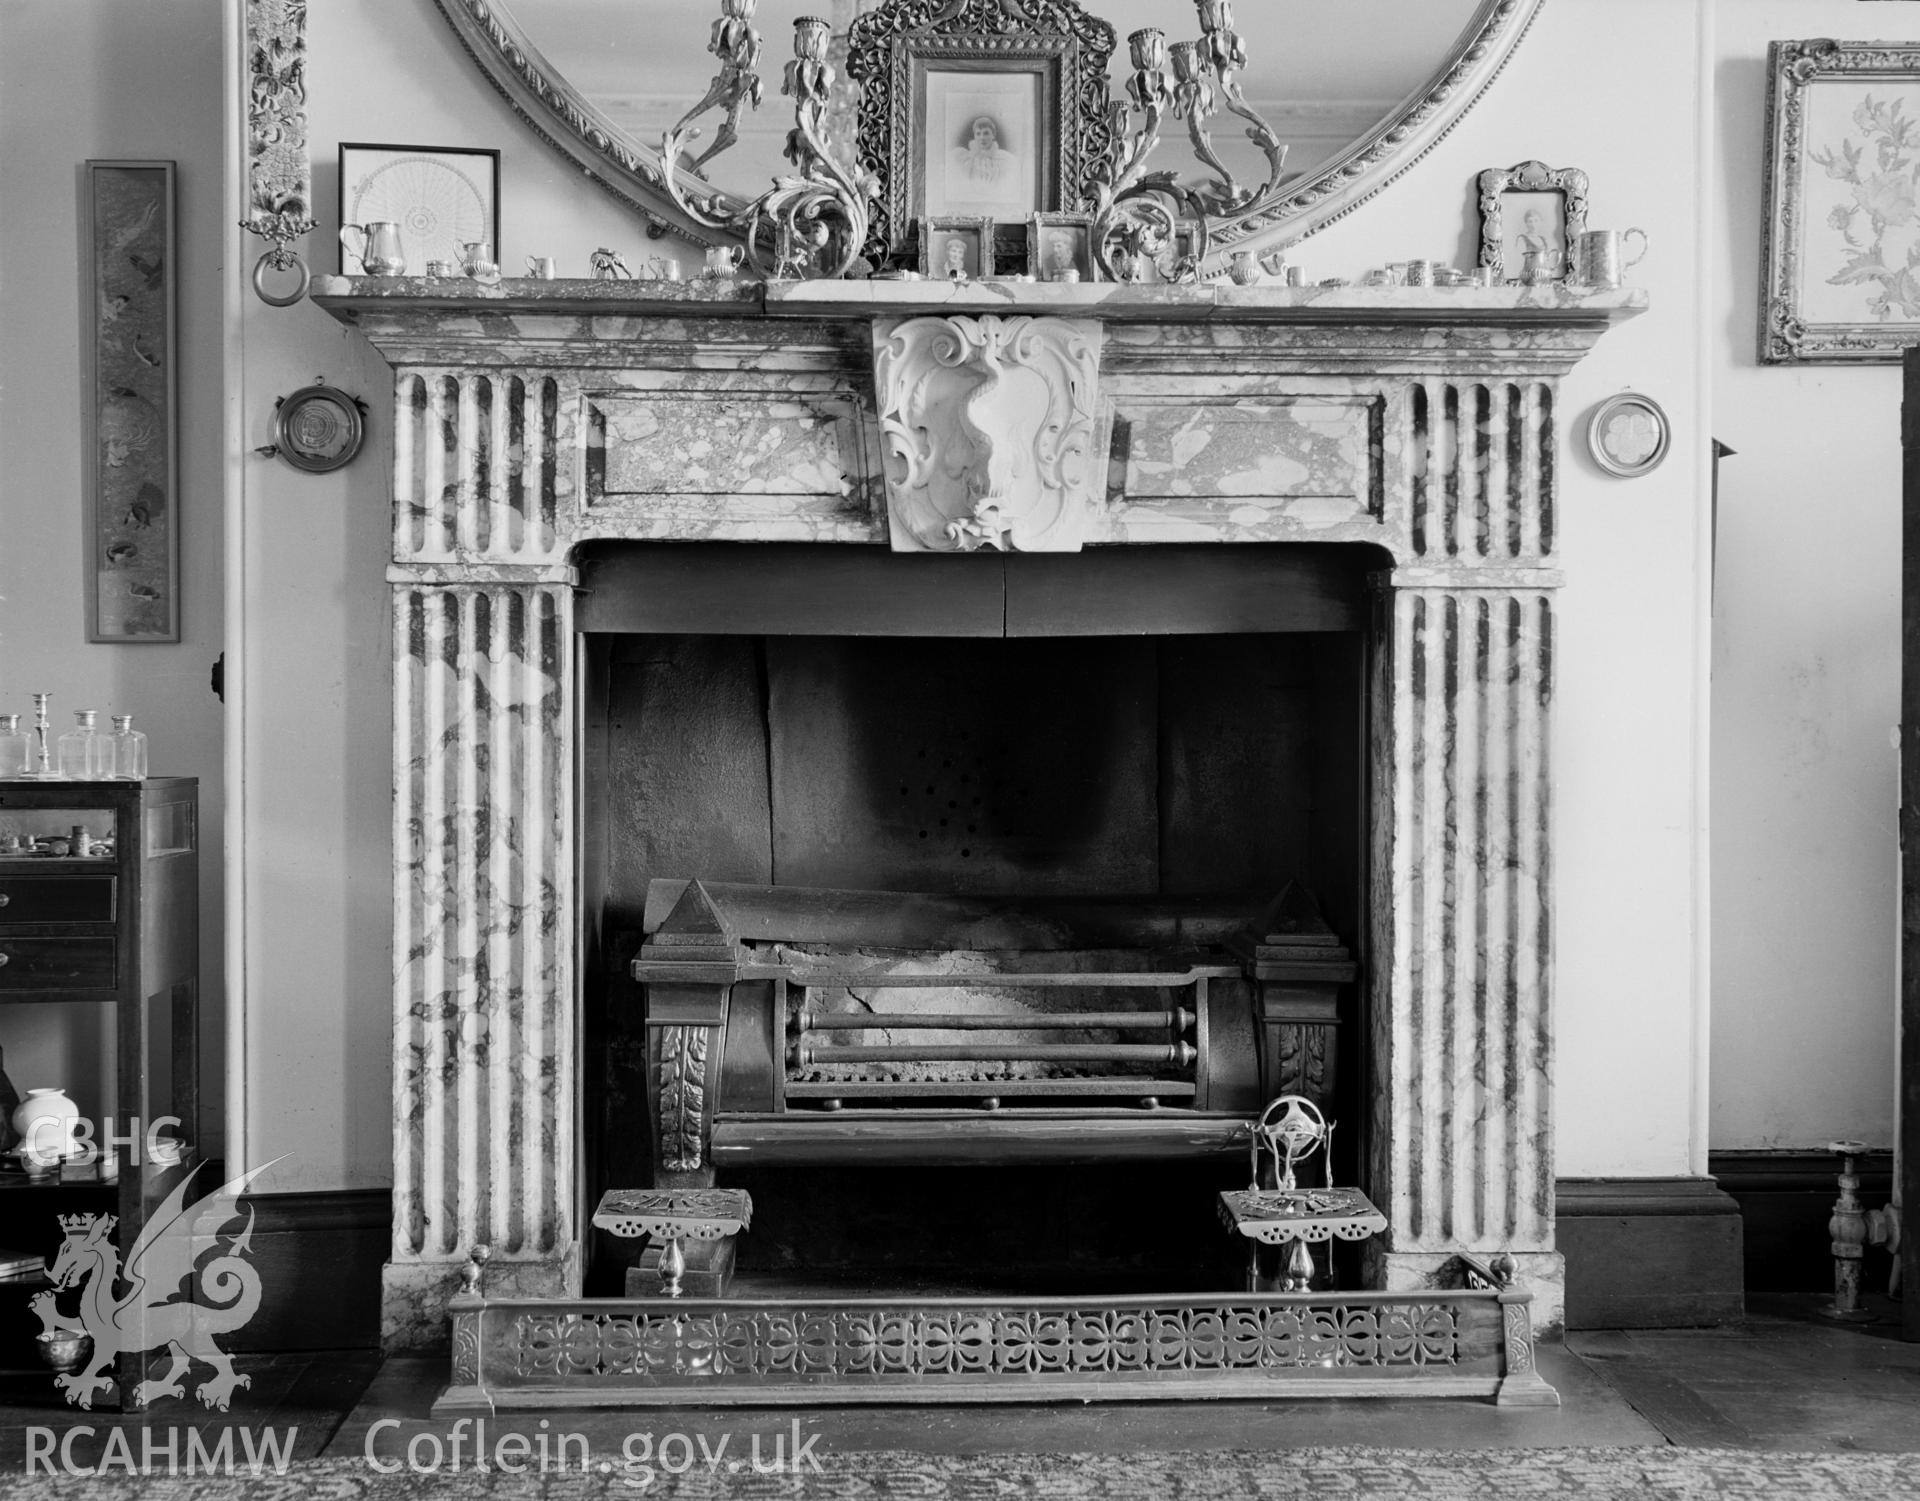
x,y
1418,274
1296,276
443,268
1599,256
541,267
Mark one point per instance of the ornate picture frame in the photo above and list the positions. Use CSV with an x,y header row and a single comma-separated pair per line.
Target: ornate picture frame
x,y
1838,277
1628,435
942,234
1054,236
1035,74
132,425
1531,207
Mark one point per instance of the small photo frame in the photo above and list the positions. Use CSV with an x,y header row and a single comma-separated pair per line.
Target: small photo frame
x,y
443,198
1059,243
1628,435
1530,215
956,248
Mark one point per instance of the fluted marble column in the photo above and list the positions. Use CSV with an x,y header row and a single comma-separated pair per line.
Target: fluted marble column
x,y
483,829
483,968
1462,979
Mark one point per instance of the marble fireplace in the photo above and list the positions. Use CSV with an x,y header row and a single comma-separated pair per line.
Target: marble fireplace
x,y
536,424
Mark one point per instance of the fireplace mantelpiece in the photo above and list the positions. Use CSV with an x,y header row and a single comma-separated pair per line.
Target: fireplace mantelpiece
x,y
532,417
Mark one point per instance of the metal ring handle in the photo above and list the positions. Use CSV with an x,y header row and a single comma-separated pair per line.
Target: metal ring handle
x,y
280,257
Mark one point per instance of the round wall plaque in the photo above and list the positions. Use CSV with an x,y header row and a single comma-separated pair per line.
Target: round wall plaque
x,y
319,429
1628,434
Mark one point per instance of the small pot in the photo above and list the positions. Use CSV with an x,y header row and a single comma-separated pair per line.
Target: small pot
x,y
46,1120
65,1350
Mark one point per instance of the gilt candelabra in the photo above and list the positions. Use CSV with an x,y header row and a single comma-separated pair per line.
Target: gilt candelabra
x,y
811,224
1137,213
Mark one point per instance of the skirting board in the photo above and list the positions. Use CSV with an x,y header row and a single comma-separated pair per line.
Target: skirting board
x,y
319,1257
1649,1253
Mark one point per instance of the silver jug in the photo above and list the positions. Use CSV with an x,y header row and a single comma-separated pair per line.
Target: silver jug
x,y
378,248
476,259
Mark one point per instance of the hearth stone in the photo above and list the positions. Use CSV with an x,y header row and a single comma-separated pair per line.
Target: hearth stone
x,y
1421,421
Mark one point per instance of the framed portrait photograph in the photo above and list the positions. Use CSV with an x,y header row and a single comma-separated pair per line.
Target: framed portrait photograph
x,y
1060,248
985,148
1839,283
442,198
1529,216
956,248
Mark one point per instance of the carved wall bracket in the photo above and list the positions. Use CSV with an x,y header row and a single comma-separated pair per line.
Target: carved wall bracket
x,y
279,174
989,430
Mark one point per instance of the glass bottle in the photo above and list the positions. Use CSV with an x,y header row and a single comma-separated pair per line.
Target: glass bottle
x,y
16,756
129,750
84,753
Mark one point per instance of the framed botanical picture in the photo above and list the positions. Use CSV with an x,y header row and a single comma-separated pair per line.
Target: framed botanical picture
x,y
1060,248
441,198
1529,216
1841,281
956,123
132,468
956,248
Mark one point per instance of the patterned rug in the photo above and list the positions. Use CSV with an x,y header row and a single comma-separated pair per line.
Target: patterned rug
x,y
1666,1474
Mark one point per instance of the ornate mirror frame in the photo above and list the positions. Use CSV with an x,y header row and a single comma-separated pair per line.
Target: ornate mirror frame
x,y
634,174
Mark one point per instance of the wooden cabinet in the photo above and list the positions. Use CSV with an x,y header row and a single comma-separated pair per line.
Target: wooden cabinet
x,y
99,906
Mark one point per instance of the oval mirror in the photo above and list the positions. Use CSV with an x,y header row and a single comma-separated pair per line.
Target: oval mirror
x,y
1358,89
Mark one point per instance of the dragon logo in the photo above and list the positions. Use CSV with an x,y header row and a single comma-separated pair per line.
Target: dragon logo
x,y
155,1312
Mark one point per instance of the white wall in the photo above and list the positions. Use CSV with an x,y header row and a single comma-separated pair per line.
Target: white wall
x,y
1806,670
129,82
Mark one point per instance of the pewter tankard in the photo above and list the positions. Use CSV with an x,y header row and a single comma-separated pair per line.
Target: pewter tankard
x,y
1599,260
378,250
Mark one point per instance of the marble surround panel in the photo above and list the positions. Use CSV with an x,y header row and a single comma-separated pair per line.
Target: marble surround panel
x,y
492,494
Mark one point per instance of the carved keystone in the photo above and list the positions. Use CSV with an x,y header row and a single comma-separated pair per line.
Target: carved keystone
x,y
989,427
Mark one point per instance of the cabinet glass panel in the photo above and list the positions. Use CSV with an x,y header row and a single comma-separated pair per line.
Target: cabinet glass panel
x,y
63,834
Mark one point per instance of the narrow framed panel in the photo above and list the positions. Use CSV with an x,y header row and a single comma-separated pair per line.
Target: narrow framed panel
x,y
131,421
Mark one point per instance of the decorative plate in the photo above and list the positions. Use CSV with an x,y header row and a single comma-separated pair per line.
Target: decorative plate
x,y
319,429
1628,434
